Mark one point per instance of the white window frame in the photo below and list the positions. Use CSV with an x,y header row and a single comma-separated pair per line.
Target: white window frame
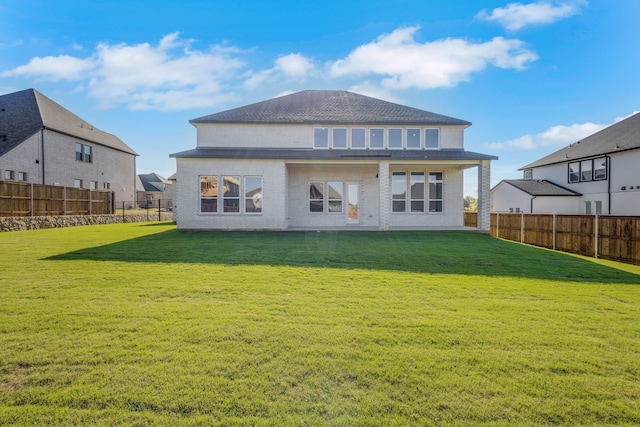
x,y
432,197
376,132
396,131
426,140
411,195
364,141
256,199
216,197
346,138
316,131
407,139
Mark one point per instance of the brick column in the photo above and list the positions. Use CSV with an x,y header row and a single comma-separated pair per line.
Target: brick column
x,y
385,194
484,196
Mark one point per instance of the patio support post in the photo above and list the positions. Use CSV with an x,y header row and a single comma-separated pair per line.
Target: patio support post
x,y
385,194
484,197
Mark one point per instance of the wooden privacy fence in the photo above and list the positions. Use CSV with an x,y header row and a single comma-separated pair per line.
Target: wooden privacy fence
x,y
610,237
25,199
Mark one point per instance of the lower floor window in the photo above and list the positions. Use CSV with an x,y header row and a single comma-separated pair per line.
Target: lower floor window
x,y
77,183
326,196
9,175
236,194
409,192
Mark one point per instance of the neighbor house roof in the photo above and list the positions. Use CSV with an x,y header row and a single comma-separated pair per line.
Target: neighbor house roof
x,y
539,187
153,182
329,107
622,136
24,113
311,154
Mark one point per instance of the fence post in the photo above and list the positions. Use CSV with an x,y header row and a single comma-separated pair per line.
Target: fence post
x,y
554,232
123,211
64,202
522,227
90,202
498,224
595,251
159,204
31,201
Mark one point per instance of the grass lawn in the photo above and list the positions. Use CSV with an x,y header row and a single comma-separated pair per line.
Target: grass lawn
x,y
139,324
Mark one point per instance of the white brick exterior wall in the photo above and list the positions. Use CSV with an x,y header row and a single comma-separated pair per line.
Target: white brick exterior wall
x,y
188,194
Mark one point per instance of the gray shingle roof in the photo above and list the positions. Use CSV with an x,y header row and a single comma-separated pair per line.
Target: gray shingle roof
x,y
24,113
329,107
314,154
152,182
540,187
622,136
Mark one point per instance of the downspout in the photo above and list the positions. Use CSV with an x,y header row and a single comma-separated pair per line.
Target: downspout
x,y
608,182
42,151
532,203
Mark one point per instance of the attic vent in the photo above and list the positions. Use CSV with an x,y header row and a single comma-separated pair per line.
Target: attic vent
x,y
3,138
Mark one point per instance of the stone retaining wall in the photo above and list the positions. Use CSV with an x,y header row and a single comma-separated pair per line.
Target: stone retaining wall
x,y
60,221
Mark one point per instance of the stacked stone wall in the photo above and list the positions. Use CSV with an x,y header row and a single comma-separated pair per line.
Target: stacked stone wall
x,y
61,221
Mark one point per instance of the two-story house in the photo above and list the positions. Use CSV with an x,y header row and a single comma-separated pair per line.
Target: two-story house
x,y
596,175
43,143
321,159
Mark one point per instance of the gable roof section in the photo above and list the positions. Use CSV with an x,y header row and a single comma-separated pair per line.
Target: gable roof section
x,y
24,113
329,107
621,136
540,187
153,182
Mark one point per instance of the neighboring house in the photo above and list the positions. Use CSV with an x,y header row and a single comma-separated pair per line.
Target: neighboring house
x,y
43,143
597,175
327,160
154,191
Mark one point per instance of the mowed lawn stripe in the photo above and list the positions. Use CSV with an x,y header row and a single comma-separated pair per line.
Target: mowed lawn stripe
x,y
139,324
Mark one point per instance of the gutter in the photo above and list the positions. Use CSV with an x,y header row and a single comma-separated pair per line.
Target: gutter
x,y
532,203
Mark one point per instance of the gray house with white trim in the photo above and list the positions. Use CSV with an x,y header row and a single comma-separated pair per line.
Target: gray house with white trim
x,y
43,143
597,175
321,159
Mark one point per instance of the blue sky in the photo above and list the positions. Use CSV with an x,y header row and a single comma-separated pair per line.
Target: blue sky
x,y
532,76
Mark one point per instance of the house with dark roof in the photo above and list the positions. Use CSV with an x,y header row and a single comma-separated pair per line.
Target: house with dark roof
x,y
43,143
154,191
596,175
322,159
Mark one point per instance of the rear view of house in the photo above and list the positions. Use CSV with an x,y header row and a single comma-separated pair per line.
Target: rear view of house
x,y
327,160
43,143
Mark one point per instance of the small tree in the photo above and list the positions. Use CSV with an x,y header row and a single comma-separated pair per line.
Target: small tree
x,y
470,204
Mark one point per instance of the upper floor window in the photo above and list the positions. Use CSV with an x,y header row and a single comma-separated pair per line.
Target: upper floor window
x,y
83,153
588,170
432,138
528,174
320,137
339,138
376,138
395,138
358,138
413,138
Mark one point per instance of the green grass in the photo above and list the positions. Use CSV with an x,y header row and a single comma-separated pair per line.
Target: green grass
x,y
139,324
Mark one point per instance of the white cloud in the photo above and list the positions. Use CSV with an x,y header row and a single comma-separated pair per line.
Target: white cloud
x,y
442,63
167,76
293,66
556,137
368,89
516,16
54,68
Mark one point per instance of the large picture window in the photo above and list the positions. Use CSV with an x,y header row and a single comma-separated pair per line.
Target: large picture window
x,y
326,196
231,194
